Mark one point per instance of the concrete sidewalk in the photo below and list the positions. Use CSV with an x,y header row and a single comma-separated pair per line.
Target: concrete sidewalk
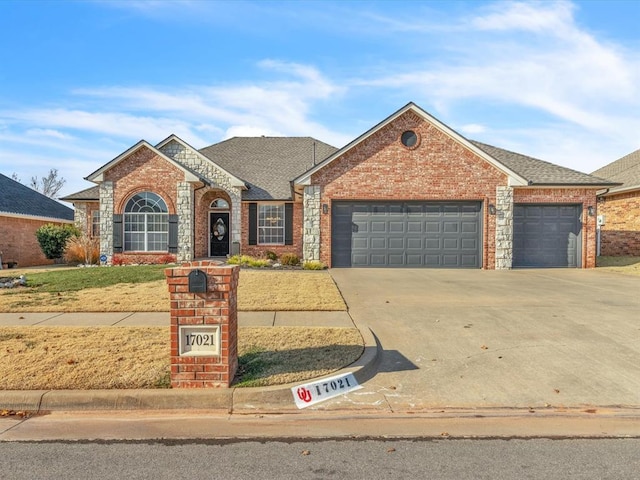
x,y
161,319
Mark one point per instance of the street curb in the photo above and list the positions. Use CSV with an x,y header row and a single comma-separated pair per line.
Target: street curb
x,y
277,399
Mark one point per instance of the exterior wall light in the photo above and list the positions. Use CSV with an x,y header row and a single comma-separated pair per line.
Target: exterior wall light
x,y
591,210
325,208
492,209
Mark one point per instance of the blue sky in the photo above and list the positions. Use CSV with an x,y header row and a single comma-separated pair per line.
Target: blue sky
x,y
80,82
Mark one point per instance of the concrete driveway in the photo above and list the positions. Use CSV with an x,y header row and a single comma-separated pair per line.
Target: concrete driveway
x,y
539,339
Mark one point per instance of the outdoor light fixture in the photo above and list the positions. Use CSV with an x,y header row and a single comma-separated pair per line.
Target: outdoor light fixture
x,y
492,209
325,208
591,210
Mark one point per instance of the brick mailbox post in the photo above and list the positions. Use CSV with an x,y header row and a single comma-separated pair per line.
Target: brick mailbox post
x,y
204,324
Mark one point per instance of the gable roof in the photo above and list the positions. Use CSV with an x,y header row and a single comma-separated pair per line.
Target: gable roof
x,y
625,170
235,181
540,173
521,170
88,194
18,199
268,164
98,175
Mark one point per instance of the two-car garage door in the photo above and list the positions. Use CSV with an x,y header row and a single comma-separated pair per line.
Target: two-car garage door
x,y
406,234
448,234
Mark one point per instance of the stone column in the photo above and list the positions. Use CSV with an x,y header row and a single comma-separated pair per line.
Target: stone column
x,y
204,324
185,211
311,227
504,228
106,220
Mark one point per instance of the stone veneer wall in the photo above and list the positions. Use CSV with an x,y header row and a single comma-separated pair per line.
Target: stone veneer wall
x,y
504,227
311,227
81,212
218,177
184,209
106,220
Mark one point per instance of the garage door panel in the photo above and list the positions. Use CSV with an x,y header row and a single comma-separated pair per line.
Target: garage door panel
x,y
425,234
546,235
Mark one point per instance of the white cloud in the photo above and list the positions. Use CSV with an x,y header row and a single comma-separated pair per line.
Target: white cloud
x,y
472,128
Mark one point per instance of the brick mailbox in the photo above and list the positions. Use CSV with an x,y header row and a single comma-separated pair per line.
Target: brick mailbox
x,y
204,324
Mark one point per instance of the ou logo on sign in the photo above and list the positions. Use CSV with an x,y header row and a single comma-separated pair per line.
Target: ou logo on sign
x,y
304,394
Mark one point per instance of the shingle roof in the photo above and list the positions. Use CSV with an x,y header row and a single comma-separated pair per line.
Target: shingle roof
x,y
18,199
268,164
91,193
539,172
625,170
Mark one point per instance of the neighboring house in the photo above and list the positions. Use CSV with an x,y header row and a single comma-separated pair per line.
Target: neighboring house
x,y
409,192
619,207
22,211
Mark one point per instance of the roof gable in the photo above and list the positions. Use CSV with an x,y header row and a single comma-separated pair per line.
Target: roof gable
x,y
233,180
18,199
514,178
625,170
520,170
98,175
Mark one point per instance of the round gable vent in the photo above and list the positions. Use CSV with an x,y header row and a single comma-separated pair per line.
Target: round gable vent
x,y
409,139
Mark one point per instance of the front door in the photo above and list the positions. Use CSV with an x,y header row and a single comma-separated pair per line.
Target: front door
x,y
219,234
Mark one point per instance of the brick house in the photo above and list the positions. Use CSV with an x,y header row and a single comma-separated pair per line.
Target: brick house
x,y
22,211
619,207
408,192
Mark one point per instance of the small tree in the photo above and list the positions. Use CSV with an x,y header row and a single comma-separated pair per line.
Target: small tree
x,y
49,185
53,239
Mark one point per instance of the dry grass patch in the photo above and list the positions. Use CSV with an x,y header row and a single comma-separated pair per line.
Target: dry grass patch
x,y
122,297
627,265
61,358
308,353
288,290
257,291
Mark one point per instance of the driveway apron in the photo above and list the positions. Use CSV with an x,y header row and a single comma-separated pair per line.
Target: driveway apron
x,y
538,339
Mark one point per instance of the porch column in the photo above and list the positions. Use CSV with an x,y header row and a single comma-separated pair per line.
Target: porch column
x,y
504,228
106,220
236,219
311,225
185,212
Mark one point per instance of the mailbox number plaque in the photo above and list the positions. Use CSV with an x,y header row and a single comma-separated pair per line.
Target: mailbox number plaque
x,y
199,340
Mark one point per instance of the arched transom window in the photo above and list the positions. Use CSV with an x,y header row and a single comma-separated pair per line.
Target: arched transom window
x,y
146,223
220,204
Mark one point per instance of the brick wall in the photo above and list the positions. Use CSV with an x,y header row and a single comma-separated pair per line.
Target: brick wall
x,y
584,197
259,250
203,201
620,235
144,171
381,168
18,241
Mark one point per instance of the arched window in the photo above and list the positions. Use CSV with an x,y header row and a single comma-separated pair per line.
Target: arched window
x,y
219,204
146,223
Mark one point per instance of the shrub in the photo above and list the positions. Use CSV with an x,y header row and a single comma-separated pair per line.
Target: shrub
x,y
289,259
271,255
168,258
53,239
314,265
247,261
82,249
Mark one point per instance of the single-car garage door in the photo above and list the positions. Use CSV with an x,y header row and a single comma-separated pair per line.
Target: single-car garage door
x,y
406,234
546,235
